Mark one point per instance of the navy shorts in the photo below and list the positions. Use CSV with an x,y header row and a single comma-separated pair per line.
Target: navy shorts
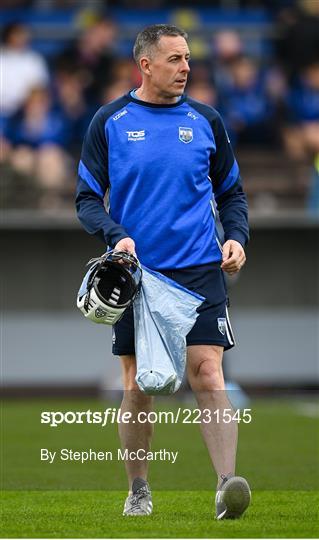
x,y
212,326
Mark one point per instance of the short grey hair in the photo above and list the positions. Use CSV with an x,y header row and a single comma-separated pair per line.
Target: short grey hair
x,y
150,36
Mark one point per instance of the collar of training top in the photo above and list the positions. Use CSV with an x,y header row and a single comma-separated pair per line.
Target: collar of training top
x,y
156,105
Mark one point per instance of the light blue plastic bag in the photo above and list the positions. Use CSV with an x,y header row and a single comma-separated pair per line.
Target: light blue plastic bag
x,y
164,313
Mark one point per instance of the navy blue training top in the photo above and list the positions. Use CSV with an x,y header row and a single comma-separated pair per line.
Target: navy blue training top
x,y
162,166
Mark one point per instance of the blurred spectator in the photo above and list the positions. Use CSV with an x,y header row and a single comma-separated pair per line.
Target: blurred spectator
x,y
227,47
302,132
37,123
34,141
70,101
245,103
93,56
252,96
298,41
22,68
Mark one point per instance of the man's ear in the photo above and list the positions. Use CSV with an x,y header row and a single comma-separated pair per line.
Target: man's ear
x,y
145,65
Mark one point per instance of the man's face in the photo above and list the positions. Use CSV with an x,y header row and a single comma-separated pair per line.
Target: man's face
x,y
169,66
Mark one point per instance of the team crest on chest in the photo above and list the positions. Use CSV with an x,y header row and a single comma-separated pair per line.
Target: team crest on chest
x,y
185,134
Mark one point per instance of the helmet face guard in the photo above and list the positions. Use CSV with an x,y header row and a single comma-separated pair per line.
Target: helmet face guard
x,y
109,287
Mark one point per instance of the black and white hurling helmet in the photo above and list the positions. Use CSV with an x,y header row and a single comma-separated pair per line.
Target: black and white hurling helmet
x,y
109,287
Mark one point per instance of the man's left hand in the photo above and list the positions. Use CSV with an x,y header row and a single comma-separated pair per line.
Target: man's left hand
x,y
233,257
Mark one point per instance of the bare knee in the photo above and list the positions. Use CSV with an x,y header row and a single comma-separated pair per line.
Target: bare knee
x,y
205,371
209,375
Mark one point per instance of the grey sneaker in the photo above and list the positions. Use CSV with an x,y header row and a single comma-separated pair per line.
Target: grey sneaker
x,y
140,502
232,498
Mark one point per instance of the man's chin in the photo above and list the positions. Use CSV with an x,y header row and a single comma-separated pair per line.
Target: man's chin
x,y
173,93
176,92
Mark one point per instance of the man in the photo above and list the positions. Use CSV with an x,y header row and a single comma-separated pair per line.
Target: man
x,y
164,156
17,57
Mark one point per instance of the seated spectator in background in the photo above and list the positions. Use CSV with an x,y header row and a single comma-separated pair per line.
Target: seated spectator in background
x,y
227,47
301,133
22,68
69,93
93,56
245,104
298,36
37,123
35,139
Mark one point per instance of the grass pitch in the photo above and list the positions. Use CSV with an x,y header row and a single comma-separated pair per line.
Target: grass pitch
x,y
96,514
278,453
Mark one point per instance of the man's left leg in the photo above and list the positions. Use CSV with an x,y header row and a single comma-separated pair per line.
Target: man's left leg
x,y
205,375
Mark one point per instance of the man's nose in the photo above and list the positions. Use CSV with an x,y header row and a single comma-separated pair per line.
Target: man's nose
x,y
185,67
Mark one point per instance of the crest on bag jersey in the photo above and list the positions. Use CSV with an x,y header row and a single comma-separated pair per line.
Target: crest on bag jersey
x,y
222,325
99,312
185,134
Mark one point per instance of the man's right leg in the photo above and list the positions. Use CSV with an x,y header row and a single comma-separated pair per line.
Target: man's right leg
x,y
134,436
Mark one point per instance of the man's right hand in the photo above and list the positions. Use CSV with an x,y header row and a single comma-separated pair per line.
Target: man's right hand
x,y
126,244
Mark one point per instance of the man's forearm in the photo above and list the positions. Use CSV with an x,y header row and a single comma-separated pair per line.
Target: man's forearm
x,y
95,219
233,213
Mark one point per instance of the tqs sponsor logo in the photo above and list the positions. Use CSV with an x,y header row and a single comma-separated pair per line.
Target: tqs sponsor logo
x,y
136,135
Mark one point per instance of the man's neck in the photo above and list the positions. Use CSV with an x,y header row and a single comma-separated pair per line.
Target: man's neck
x,y
152,97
